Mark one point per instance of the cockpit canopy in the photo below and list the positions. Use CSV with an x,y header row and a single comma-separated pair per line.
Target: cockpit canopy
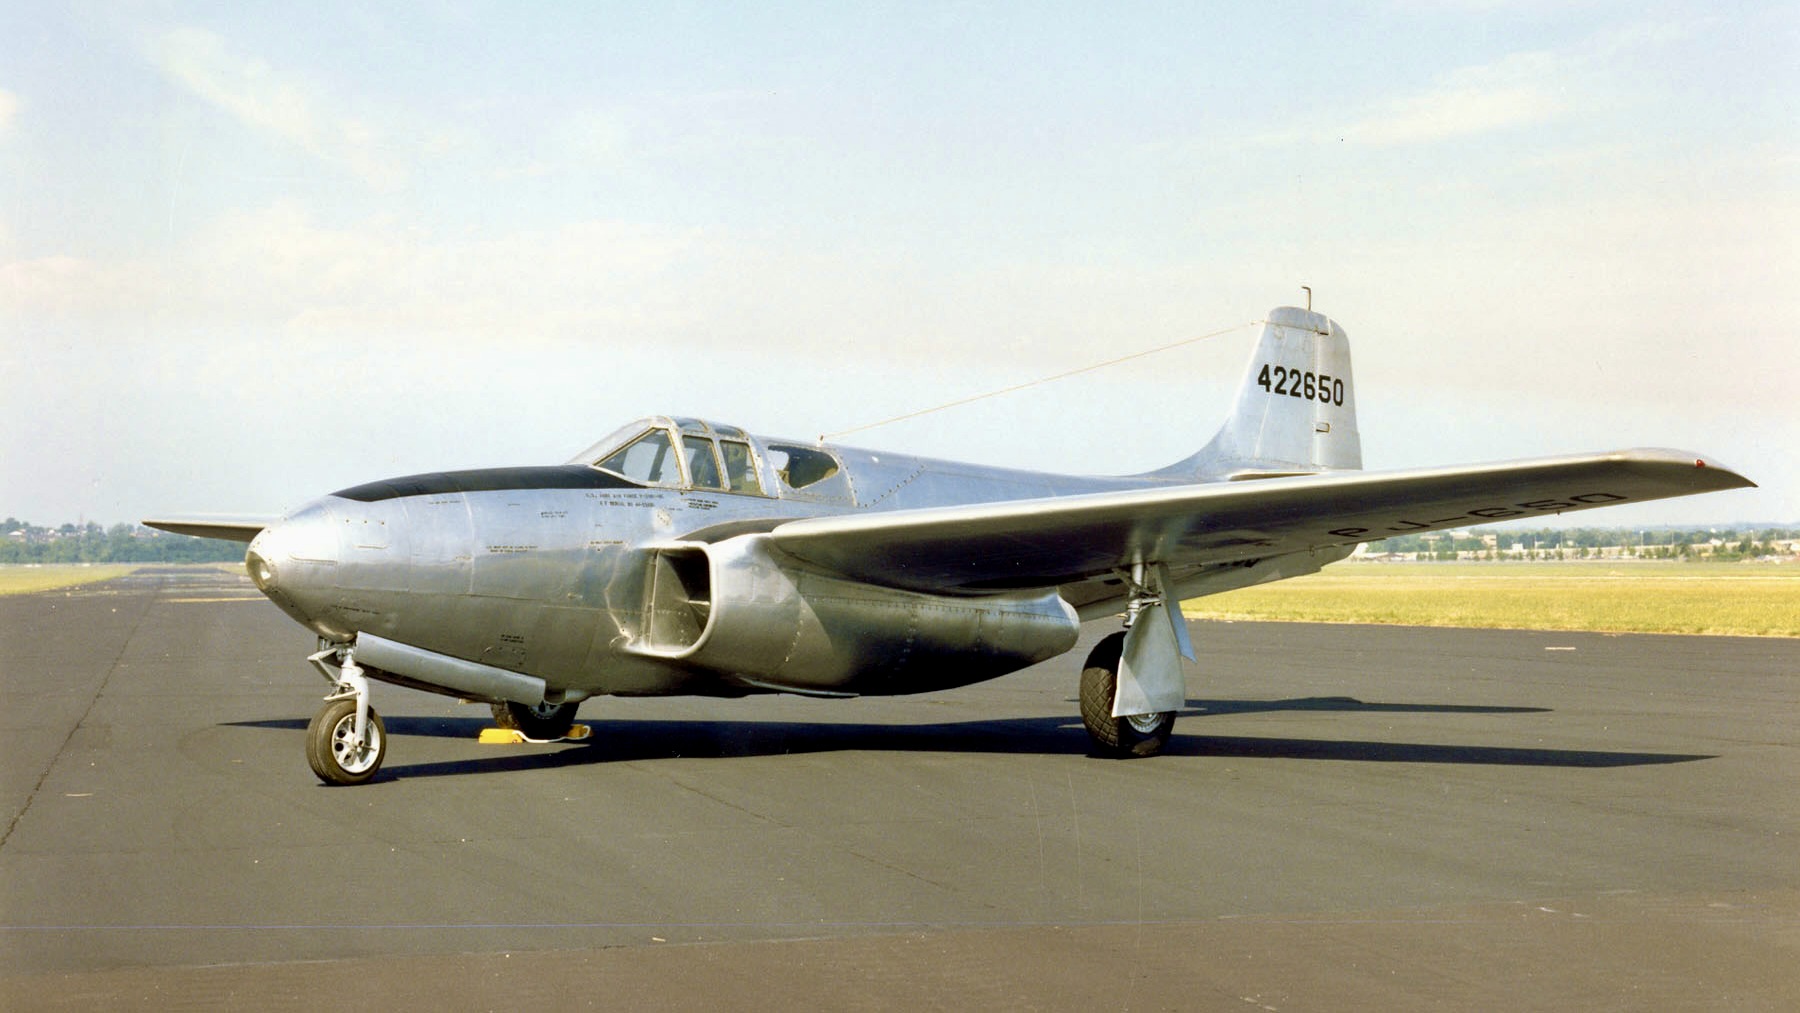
x,y
685,453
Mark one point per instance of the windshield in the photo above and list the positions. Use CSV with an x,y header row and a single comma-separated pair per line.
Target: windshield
x,y
685,453
702,463
649,459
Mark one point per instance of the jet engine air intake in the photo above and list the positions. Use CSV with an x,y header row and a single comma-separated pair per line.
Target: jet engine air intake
x,y
742,609
680,597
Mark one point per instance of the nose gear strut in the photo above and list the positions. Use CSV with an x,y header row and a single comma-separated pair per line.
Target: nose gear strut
x,y
347,740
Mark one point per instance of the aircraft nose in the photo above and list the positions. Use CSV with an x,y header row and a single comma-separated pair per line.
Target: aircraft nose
x,y
293,561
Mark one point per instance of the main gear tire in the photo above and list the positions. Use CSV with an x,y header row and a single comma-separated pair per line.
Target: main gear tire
x,y
544,722
1132,735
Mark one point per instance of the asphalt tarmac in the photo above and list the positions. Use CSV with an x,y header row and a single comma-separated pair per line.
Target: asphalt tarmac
x,y
1347,817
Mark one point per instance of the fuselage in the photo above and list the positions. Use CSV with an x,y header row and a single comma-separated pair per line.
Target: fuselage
x,y
553,571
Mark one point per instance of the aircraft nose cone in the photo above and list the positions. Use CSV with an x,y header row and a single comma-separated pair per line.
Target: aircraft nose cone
x,y
262,572
293,561
306,538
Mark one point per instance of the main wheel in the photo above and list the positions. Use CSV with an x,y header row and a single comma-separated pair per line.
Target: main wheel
x,y
1134,735
334,751
543,722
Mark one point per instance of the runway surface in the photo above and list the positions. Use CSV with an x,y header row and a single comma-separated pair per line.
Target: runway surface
x,y
1347,817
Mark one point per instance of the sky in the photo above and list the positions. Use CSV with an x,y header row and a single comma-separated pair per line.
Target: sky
x,y
253,253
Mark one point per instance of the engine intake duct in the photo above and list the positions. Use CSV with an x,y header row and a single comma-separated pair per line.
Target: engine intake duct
x,y
769,622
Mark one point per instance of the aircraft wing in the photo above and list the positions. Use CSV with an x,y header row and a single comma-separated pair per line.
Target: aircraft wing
x,y
1019,544
233,529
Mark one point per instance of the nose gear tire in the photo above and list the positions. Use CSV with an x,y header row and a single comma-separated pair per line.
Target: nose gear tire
x,y
333,751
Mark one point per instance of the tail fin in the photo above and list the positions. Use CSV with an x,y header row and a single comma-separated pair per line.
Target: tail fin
x,y
1296,410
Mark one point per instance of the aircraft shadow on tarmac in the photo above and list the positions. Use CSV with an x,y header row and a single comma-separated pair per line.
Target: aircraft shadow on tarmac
x,y
617,741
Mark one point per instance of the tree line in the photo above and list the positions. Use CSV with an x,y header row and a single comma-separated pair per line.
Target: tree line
x,y
1724,544
22,542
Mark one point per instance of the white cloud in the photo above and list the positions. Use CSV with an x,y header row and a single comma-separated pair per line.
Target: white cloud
x,y
280,269
1633,328
647,136
9,110
1519,90
1459,8
1516,91
281,273
63,285
274,103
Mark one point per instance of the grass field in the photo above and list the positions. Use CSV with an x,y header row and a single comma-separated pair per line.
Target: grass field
x,y
1702,598
50,576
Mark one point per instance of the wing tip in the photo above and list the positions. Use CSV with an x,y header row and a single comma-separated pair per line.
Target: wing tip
x,y
1717,475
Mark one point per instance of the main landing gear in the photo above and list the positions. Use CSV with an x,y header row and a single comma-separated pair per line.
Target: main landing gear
x,y
543,723
1131,735
346,741
1132,684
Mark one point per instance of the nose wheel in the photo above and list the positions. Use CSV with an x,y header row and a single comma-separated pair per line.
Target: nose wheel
x,y
346,741
336,752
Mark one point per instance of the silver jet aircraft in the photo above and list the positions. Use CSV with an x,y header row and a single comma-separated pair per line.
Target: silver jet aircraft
x,y
679,556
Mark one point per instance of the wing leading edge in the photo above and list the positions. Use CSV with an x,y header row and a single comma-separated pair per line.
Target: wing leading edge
x,y
1047,542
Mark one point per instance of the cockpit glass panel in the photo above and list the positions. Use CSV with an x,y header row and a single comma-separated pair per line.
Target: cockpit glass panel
x,y
595,452
799,467
701,462
729,432
740,467
649,459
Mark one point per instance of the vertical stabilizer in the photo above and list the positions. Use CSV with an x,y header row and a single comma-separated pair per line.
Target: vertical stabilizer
x,y
1296,410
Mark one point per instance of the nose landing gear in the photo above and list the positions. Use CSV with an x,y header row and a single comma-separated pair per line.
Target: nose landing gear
x,y
346,741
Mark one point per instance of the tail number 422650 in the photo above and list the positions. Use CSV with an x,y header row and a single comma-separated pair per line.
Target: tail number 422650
x,y
1307,386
